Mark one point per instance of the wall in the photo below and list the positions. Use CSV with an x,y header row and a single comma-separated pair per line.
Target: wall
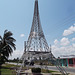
x,y
69,62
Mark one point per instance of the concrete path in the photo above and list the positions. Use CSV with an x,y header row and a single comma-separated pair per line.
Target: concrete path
x,y
68,69
29,71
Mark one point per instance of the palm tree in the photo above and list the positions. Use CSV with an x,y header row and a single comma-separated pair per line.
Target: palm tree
x,y
6,46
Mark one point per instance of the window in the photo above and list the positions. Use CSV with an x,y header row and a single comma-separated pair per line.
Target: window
x,y
65,62
74,60
70,61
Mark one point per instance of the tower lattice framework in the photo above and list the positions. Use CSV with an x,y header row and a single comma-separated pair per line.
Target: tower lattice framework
x,y
36,40
37,46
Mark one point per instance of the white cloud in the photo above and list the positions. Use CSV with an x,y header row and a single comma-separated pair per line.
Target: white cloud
x,y
22,35
73,39
73,45
16,53
69,31
56,42
67,50
74,24
64,41
65,47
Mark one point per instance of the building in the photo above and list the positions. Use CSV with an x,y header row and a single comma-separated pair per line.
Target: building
x,y
68,61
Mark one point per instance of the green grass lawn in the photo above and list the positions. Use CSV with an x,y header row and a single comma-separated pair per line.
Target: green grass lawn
x,y
47,71
6,70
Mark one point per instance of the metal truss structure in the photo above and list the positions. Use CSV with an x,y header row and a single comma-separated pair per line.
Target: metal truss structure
x,y
37,46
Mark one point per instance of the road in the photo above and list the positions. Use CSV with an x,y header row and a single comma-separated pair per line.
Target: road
x,y
68,69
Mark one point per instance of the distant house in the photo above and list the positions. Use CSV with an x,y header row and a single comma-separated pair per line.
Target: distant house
x,y
67,61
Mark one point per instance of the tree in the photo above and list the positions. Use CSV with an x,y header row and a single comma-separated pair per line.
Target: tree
x,y
6,46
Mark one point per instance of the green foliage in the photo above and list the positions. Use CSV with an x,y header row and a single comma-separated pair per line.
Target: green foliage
x,y
14,60
36,70
6,46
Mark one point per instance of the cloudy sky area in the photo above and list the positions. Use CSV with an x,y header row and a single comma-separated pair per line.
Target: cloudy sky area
x,y
57,20
65,46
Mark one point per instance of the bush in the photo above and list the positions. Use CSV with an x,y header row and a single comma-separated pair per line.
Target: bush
x,y
36,70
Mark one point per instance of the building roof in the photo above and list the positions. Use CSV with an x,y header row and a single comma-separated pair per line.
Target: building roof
x,y
66,56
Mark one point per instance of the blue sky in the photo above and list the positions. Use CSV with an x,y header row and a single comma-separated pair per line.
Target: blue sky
x,y
56,16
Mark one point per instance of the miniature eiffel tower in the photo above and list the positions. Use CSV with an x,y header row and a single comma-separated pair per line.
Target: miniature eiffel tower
x,y
37,46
